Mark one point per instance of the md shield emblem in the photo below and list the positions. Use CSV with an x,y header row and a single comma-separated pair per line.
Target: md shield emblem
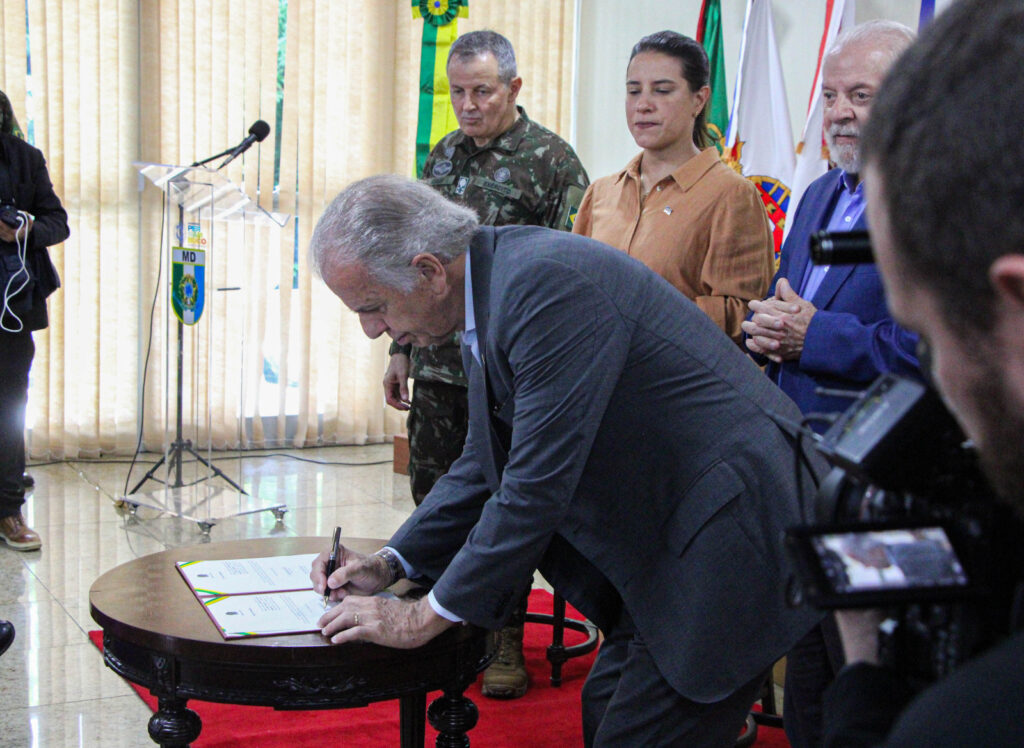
x,y
188,273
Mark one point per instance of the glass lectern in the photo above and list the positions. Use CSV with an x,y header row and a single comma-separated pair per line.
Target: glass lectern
x,y
198,201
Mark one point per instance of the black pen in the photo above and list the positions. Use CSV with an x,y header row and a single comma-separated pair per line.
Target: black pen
x,y
332,562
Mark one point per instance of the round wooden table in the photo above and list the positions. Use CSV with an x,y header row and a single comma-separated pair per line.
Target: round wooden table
x,y
156,634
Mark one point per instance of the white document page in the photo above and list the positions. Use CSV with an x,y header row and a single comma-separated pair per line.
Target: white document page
x,y
258,596
248,575
238,616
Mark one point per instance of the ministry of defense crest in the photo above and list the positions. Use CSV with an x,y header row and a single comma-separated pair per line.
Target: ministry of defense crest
x,y
188,275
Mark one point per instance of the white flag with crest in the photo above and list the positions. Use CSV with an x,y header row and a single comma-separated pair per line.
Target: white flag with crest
x,y
811,152
759,141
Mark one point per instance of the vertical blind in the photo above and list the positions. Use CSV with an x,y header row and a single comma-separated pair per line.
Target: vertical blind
x,y
113,82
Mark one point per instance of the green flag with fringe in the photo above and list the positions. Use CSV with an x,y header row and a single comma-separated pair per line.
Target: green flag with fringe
x,y
709,34
440,28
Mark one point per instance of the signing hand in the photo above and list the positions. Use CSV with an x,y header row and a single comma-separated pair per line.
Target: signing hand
x,y
393,622
357,574
779,325
396,382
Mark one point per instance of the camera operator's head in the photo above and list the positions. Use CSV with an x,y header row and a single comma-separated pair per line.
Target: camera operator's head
x,y
944,155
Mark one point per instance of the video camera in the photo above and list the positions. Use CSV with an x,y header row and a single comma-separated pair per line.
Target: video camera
x,y
908,522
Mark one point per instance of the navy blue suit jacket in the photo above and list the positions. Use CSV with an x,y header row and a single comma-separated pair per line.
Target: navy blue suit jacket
x,y
623,445
852,338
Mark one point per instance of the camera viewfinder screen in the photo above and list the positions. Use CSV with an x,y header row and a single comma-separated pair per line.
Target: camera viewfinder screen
x,y
889,559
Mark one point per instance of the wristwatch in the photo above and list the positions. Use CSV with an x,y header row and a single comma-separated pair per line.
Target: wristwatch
x,y
394,565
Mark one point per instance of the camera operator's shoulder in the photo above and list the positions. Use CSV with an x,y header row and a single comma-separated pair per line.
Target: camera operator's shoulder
x,y
982,703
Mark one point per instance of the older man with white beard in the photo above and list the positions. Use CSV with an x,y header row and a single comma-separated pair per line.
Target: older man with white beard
x,y
826,329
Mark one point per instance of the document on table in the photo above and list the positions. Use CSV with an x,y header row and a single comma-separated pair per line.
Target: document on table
x,y
266,614
236,576
257,596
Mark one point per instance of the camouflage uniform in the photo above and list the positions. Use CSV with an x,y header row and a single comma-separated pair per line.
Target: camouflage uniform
x,y
525,176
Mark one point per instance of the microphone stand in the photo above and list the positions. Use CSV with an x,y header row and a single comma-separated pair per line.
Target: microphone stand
x,y
225,152
180,445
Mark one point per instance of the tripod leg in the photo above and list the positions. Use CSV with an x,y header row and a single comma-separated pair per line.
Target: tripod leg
x,y
216,470
149,474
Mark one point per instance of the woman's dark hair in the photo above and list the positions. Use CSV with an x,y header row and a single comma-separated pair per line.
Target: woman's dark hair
x,y
8,122
696,70
6,115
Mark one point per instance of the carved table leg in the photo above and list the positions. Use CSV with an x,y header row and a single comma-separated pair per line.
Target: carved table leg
x,y
174,725
453,715
412,719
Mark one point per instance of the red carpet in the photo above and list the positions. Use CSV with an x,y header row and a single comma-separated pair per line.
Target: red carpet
x,y
548,716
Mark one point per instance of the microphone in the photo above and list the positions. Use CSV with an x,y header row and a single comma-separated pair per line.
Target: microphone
x,y
257,133
841,248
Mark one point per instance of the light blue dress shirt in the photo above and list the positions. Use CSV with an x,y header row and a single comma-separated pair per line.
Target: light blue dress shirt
x,y
470,339
847,211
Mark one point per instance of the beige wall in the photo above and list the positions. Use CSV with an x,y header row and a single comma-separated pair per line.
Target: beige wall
x,y
609,28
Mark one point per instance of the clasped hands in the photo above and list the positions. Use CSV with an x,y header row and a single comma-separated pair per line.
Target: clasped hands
x,y
779,324
360,616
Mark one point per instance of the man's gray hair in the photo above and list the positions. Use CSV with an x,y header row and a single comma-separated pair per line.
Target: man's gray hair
x,y
889,36
382,223
477,43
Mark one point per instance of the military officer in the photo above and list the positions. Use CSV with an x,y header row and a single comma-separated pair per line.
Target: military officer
x,y
510,170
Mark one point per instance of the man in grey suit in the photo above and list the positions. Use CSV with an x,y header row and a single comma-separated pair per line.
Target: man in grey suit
x,y
618,442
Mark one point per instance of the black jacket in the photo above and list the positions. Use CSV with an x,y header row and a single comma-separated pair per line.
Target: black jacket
x,y
25,182
980,704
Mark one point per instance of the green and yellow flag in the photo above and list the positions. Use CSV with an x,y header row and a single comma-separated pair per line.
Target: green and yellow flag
x,y
440,28
709,34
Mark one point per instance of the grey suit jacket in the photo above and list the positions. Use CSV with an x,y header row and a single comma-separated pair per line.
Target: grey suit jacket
x,y
623,445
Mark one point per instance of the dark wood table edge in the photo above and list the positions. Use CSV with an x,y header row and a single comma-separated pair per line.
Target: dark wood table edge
x,y
176,669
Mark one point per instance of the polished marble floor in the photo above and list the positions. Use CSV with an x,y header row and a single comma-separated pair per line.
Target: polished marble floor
x,y
54,689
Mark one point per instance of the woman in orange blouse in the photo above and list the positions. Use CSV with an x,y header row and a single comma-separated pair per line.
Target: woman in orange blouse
x,y
676,206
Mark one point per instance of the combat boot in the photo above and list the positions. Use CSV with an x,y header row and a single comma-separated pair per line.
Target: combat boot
x,y
506,677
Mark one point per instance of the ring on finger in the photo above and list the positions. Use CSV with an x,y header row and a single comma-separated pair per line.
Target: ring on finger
x,y
356,619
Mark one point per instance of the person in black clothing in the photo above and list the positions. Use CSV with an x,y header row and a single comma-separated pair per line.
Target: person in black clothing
x,y
945,162
31,219
6,635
